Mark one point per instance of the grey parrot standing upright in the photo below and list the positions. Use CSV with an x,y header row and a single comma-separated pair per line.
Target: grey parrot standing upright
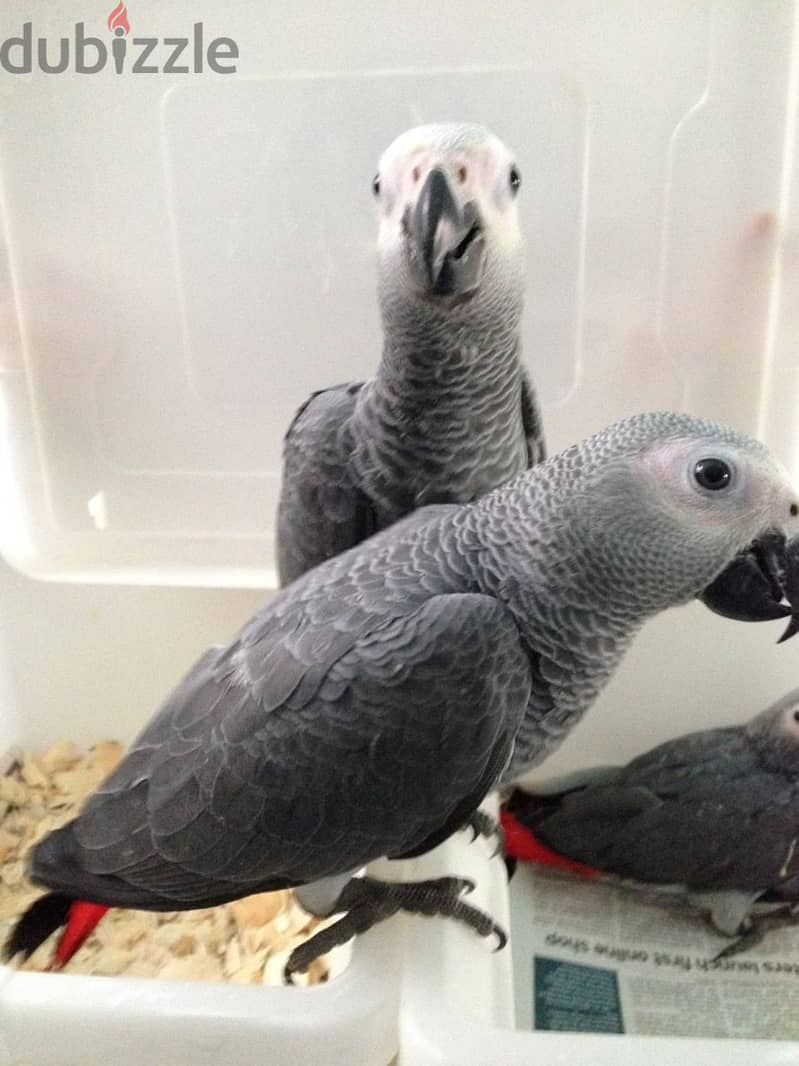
x,y
369,707
711,818
450,413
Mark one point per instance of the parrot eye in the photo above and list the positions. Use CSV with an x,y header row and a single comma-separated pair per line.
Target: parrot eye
x,y
712,474
514,179
376,184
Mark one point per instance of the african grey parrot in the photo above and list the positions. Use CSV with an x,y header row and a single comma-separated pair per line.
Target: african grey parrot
x,y
450,413
711,818
369,707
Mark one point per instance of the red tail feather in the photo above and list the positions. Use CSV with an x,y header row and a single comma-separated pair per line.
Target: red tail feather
x,y
520,843
83,918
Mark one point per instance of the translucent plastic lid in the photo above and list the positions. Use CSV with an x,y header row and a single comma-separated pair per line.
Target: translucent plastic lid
x,y
186,256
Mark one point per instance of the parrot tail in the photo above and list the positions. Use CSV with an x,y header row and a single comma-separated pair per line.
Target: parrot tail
x,y
38,922
522,844
53,863
83,918
47,914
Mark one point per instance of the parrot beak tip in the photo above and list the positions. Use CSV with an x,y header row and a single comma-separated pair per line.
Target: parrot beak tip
x,y
754,585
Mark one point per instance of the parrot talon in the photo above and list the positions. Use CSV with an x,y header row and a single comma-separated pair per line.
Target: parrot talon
x,y
358,919
366,901
502,939
748,939
754,929
483,825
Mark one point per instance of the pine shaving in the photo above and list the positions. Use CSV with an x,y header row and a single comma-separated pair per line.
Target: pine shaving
x,y
246,942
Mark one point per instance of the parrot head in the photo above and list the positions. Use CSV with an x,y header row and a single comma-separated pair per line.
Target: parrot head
x,y
708,512
449,233
775,732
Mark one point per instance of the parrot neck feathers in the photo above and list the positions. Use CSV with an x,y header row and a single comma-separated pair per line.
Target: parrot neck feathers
x,y
439,425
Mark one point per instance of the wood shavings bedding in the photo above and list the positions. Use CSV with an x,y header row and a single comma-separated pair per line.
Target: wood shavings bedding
x,y
246,942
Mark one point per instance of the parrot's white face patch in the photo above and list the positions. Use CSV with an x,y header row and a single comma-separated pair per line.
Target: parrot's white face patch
x,y
715,482
789,720
781,718
480,169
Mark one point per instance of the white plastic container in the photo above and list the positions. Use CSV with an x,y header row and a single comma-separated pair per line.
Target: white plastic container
x,y
183,257
110,653
67,1021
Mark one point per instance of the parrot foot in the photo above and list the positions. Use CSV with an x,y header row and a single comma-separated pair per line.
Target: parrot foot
x,y
748,939
756,930
483,825
368,901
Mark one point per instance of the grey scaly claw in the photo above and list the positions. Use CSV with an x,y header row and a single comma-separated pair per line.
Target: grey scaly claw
x,y
741,943
483,825
366,901
756,930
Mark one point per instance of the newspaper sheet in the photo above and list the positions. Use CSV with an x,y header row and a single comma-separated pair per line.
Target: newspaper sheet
x,y
592,957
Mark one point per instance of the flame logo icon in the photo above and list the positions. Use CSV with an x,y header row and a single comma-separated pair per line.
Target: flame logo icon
x,y
117,21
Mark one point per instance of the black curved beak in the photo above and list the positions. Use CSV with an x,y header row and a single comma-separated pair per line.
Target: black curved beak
x,y
445,241
752,588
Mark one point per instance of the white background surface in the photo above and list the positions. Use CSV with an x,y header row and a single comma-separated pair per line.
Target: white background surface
x,y
182,259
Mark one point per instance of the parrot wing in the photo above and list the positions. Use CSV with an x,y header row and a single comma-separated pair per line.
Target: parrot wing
x,y
700,811
322,511
352,745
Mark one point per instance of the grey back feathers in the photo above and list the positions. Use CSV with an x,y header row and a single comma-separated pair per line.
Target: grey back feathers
x,y
716,810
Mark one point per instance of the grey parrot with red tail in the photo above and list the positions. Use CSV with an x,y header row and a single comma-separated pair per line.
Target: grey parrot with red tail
x,y
370,706
710,819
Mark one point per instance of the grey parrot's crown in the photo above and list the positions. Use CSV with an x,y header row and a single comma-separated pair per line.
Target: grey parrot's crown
x,y
451,136
638,431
